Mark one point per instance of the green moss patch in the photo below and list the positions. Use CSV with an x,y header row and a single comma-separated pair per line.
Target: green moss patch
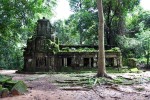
x,y
9,86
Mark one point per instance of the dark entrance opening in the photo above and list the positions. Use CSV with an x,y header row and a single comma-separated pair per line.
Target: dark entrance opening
x,y
109,62
86,62
92,62
69,61
62,60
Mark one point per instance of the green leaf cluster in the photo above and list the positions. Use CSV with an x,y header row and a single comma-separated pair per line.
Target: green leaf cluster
x,y
17,24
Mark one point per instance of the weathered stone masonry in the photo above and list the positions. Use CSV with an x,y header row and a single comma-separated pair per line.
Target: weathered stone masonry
x,y
42,52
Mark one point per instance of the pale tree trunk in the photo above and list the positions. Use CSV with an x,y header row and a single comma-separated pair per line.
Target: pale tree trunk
x,y
101,54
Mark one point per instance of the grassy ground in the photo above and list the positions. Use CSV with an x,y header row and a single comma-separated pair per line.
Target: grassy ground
x,y
94,70
81,85
84,77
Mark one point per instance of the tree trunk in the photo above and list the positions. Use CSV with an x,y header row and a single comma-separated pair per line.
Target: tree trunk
x,y
101,54
80,24
148,55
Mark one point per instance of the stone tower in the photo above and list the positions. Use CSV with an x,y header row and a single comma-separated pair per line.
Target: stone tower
x,y
36,54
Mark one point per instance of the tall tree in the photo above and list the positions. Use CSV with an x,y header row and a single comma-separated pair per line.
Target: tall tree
x,y
101,54
17,20
115,12
85,17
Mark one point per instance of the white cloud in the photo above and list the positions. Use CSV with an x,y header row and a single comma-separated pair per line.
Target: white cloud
x,y
145,4
62,10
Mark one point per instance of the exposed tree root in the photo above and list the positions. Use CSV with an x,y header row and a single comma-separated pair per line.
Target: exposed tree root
x,y
104,75
98,93
74,89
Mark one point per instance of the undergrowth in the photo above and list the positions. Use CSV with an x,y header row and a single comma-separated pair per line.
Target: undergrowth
x,y
70,70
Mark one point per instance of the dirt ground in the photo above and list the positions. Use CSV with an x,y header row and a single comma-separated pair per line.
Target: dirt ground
x,y
43,87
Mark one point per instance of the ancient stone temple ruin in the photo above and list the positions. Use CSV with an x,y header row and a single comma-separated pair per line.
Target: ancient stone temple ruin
x,y
43,52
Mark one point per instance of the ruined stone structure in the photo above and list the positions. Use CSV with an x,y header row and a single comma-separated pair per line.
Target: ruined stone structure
x,y
43,54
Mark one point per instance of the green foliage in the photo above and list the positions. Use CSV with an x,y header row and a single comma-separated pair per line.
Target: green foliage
x,y
134,59
128,46
17,22
116,70
9,85
115,13
70,70
79,27
134,70
144,48
115,49
52,47
4,79
62,32
132,62
67,69
89,82
142,60
138,26
82,26
75,29
78,50
137,21
67,49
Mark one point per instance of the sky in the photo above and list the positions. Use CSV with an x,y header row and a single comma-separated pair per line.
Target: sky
x,y
145,4
63,11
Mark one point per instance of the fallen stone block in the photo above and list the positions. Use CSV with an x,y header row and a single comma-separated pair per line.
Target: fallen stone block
x,y
4,92
19,88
